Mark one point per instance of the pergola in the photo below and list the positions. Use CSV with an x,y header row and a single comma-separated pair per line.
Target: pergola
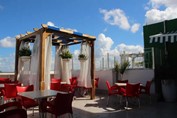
x,y
60,37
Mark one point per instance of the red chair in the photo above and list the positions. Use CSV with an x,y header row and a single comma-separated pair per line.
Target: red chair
x,y
10,91
66,88
146,89
62,104
26,102
112,90
122,81
73,82
4,80
12,110
96,82
55,86
131,91
55,80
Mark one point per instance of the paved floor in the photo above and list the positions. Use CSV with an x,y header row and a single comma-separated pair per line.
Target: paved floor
x,y
83,107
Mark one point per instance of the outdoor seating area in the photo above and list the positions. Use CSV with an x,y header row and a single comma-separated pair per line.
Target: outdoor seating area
x,y
83,106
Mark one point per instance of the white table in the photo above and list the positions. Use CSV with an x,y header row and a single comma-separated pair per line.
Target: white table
x,y
1,85
124,84
39,96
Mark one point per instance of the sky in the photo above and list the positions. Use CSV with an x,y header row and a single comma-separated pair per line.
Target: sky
x,y
116,24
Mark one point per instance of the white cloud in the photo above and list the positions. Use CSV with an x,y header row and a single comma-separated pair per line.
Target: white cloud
x,y
10,61
135,27
161,10
50,23
7,42
104,45
129,49
116,17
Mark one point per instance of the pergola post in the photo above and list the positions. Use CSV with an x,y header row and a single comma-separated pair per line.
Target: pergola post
x,y
43,35
92,71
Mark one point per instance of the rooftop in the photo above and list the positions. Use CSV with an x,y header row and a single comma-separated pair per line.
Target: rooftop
x,y
84,107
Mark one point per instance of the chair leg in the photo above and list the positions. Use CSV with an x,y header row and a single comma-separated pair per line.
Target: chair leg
x,y
126,101
107,101
33,111
150,98
139,102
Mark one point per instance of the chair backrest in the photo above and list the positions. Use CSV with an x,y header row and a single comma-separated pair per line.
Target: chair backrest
x,y
63,103
73,80
5,80
15,113
96,82
66,88
24,88
55,86
12,110
55,80
108,85
10,90
122,81
10,105
132,90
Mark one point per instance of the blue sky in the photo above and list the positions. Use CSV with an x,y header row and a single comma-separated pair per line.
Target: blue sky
x,y
117,24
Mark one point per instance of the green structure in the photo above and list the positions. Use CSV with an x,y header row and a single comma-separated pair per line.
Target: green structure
x,y
160,49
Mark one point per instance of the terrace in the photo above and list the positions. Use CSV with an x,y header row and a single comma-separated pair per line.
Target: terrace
x,y
96,106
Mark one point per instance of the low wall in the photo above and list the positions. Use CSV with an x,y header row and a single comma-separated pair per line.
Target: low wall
x,y
133,75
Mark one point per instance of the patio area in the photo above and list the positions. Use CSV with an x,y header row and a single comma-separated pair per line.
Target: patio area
x,y
84,107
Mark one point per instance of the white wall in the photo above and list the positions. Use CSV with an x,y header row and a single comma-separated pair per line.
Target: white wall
x,y
133,75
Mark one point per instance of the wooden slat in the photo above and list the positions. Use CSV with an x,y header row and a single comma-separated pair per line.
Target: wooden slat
x,y
44,25
35,29
28,32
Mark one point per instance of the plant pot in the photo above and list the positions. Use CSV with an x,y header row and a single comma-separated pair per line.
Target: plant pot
x,y
82,60
66,59
169,90
25,58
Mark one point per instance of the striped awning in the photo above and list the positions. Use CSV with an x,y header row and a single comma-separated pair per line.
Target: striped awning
x,y
163,37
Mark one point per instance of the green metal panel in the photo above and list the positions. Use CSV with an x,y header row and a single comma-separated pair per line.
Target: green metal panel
x,y
159,53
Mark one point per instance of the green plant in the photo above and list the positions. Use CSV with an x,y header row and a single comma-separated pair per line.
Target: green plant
x,y
124,66
116,67
82,56
24,52
66,55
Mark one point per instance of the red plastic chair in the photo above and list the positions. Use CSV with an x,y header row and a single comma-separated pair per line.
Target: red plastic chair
x,y
96,82
73,82
122,81
12,110
132,91
62,104
66,88
112,90
55,80
146,89
4,80
10,91
55,86
26,102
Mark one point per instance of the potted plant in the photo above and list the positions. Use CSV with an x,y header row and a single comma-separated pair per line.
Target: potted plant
x,y
82,57
116,69
25,53
66,55
123,67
